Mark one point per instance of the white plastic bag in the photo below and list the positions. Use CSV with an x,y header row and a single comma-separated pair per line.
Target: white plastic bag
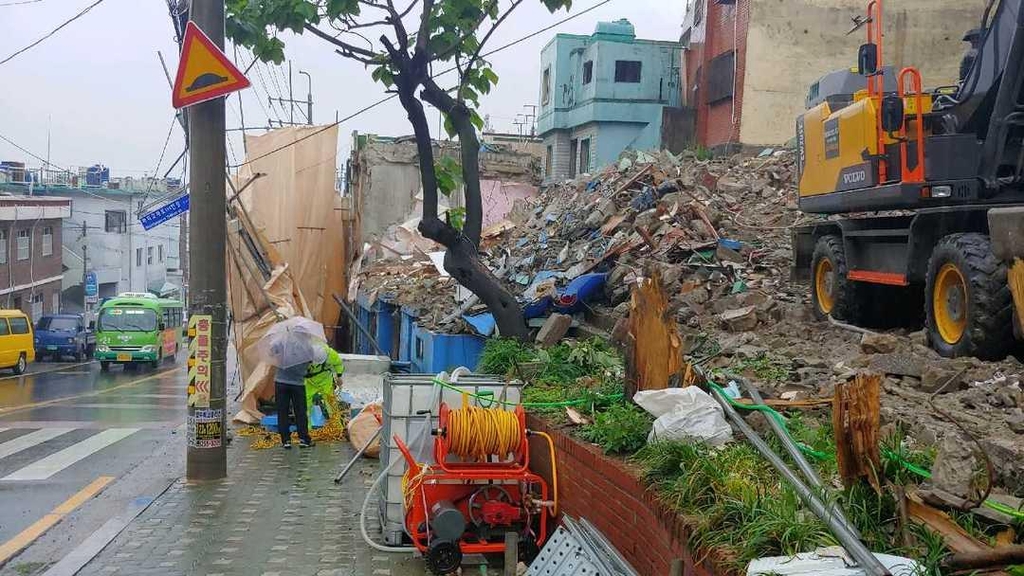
x,y
685,413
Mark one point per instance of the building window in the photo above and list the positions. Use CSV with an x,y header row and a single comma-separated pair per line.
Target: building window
x,y
24,244
48,241
698,12
116,221
138,256
627,71
37,306
721,71
149,255
160,252
545,87
588,71
585,155
56,302
549,158
574,145
3,246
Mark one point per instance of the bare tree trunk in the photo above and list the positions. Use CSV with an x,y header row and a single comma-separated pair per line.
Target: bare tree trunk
x,y
462,259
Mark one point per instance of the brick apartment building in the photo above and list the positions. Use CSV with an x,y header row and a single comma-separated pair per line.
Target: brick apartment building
x,y
748,64
30,253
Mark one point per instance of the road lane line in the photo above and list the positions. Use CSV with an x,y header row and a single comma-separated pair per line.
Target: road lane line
x,y
54,463
25,407
28,535
29,440
49,370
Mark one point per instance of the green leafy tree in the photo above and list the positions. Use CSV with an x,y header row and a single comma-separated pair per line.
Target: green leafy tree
x,y
414,41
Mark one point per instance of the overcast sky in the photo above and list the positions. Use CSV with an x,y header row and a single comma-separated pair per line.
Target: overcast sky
x,y
98,85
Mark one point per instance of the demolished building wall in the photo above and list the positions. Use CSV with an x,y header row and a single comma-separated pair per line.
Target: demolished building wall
x,y
385,179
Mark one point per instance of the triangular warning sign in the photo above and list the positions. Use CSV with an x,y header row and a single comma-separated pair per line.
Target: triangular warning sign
x,y
204,72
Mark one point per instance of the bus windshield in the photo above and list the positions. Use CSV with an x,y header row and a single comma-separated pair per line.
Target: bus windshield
x,y
127,320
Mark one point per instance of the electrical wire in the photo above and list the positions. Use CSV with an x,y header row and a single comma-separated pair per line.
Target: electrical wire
x,y
442,73
51,33
19,3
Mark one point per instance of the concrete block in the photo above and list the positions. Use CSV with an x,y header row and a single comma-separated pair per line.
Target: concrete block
x,y
554,329
1006,228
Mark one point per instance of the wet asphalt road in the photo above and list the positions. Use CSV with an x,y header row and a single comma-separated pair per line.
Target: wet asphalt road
x,y
66,427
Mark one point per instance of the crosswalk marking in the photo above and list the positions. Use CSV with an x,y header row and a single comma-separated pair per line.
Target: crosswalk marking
x,y
54,463
31,439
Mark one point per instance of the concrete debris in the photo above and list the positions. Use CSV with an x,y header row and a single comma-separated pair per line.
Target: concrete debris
x,y
879,343
936,377
956,468
554,329
740,319
719,234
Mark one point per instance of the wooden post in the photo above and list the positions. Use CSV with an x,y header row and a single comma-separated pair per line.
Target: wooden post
x,y
855,421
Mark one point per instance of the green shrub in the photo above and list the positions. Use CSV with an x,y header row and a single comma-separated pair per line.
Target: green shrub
x,y
621,429
501,355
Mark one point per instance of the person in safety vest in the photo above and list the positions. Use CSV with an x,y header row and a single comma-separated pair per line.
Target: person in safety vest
x,y
321,376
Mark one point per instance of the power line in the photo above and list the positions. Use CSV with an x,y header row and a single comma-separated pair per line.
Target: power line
x,y
442,73
52,32
19,3
43,160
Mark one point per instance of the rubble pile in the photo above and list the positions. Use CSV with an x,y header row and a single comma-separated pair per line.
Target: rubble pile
x,y
718,230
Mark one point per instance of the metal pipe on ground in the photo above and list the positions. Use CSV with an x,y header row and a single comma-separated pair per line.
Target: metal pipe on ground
x,y
794,451
850,542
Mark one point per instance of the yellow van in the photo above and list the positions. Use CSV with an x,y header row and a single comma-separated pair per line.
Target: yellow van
x,y
17,347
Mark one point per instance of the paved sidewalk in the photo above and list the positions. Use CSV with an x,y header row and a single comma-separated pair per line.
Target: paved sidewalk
x,y
278,513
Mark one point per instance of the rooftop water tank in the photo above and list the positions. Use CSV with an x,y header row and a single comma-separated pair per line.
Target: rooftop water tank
x,y
620,27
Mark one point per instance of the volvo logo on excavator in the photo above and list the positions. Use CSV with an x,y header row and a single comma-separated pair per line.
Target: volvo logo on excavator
x,y
857,176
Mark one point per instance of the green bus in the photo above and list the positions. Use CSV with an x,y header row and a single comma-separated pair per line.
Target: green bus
x,y
138,328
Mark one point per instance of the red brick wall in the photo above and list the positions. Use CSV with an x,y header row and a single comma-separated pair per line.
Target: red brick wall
x,y
719,123
34,269
608,493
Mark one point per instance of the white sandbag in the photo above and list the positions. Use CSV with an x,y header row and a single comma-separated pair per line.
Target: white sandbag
x,y
685,413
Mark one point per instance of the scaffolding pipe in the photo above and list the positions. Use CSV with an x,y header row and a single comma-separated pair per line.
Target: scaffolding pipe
x,y
849,541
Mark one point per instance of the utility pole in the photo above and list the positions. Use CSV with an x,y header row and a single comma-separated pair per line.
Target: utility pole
x,y
291,96
85,274
531,118
207,283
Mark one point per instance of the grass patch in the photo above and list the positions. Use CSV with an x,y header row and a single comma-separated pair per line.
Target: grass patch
x,y
503,355
621,429
766,368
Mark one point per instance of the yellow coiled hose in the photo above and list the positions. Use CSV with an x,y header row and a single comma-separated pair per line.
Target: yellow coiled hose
x,y
478,433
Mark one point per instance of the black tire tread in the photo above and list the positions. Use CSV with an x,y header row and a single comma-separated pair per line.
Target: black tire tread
x,y
990,303
847,306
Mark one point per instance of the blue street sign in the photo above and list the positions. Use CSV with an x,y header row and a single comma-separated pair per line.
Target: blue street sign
x,y
164,213
92,287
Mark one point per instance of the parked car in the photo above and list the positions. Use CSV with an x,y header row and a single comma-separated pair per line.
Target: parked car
x,y
16,348
64,335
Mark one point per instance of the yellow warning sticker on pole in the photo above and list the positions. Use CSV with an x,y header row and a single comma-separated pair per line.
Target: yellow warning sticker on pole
x,y
200,329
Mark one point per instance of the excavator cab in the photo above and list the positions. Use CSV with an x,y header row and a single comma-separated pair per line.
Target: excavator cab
x,y
935,181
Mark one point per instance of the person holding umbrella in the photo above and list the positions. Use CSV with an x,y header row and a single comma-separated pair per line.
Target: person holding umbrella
x,y
291,346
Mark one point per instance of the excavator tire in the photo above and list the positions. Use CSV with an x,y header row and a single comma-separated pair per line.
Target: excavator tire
x,y
968,304
832,294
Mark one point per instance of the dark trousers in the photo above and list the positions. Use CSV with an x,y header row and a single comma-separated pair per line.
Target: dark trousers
x,y
288,396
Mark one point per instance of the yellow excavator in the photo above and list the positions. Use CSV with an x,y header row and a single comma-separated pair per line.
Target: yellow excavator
x,y
930,188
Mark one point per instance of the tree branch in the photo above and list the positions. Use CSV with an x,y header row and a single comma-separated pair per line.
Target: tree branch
x,y
343,45
480,47
424,32
469,152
